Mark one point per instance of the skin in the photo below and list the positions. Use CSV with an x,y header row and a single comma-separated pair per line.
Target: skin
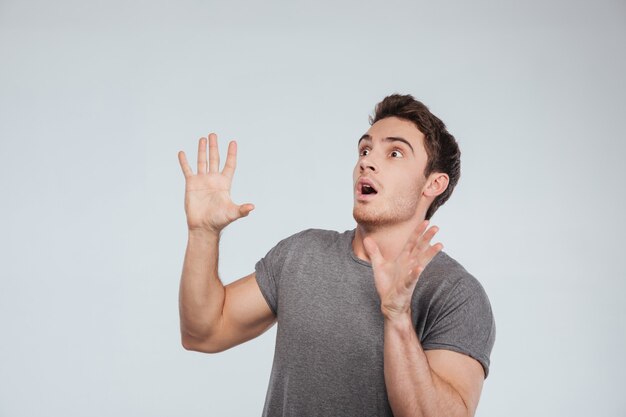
x,y
214,317
391,233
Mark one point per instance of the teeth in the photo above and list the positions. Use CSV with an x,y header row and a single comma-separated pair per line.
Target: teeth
x,y
367,189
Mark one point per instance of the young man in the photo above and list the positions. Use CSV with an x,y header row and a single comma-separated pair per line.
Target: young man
x,y
374,321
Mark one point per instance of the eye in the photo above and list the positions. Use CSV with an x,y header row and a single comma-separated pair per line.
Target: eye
x,y
364,152
396,154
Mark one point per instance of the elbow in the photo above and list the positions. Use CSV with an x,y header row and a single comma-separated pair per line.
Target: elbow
x,y
195,344
188,343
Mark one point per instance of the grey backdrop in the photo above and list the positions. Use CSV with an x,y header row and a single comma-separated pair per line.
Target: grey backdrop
x,y
97,98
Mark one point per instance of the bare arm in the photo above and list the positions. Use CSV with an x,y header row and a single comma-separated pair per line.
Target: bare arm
x,y
435,383
427,384
213,317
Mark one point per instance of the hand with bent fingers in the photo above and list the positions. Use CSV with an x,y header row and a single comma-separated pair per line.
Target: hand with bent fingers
x,y
396,279
207,194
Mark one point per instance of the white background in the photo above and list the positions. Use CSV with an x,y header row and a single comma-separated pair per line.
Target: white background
x,y
97,98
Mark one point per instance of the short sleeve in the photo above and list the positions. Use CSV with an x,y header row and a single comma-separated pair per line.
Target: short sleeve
x,y
269,268
464,323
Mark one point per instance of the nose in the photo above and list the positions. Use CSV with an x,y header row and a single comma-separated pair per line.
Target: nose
x,y
366,163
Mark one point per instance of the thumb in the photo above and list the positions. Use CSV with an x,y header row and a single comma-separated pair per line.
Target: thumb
x,y
245,209
371,248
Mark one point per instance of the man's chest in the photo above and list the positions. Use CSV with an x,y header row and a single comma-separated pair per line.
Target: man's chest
x,y
335,310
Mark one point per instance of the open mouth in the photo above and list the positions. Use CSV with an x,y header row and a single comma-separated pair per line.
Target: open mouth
x,y
367,189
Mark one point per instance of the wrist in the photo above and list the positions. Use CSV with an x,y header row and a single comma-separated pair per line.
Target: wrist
x,y
203,234
398,319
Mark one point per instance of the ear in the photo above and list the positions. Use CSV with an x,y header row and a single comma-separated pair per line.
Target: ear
x,y
436,184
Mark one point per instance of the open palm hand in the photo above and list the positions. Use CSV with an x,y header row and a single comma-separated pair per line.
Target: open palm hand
x,y
396,279
208,204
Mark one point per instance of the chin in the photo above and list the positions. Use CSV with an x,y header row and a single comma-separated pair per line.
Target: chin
x,y
369,219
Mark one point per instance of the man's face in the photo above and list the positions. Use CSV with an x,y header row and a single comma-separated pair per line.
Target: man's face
x,y
388,177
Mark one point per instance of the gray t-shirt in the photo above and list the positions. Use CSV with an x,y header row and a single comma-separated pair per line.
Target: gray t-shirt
x,y
328,359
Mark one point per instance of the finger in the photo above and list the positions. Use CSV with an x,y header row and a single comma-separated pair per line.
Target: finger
x,y
431,252
424,241
424,257
421,262
372,251
231,160
236,211
411,243
214,155
245,209
202,156
182,159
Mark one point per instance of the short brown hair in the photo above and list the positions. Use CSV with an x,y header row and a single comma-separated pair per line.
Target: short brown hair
x,y
442,149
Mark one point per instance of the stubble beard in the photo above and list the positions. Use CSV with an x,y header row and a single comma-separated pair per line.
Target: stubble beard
x,y
377,214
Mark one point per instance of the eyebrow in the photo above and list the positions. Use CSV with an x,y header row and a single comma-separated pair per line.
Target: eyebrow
x,y
387,139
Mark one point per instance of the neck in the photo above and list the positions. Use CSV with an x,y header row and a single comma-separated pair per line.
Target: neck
x,y
389,238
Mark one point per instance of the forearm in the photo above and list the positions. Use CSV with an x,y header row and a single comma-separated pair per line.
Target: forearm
x,y
201,296
413,388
